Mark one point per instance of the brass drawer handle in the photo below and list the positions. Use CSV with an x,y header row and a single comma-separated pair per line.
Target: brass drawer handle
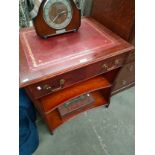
x,y
62,82
117,61
124,82
105,66
48,87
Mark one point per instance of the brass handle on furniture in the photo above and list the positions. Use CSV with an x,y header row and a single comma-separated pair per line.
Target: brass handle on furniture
x,y
47,87
105,66
117,62
62,82
124,82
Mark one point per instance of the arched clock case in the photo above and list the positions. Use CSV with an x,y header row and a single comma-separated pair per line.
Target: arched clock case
x,y
56,17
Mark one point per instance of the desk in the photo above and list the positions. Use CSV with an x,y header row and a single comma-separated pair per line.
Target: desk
x,y
76,68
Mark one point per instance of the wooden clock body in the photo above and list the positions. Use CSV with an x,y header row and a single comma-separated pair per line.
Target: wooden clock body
x,y
42,28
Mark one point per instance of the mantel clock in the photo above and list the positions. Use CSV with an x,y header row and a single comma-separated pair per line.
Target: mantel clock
x,y
53,17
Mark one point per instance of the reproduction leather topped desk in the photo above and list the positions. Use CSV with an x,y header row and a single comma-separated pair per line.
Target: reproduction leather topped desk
x,y
70,73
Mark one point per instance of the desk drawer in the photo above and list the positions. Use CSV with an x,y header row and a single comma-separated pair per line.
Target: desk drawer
x,y
65,80
125,77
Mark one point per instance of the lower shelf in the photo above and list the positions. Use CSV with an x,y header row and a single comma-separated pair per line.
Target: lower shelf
x,y
55,120
54,100
98,88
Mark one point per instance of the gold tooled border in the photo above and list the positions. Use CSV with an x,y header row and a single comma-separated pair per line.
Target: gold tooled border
x,y
71,56
30,50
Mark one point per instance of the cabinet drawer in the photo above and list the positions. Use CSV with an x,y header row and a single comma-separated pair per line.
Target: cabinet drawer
x,y
125,77
65,80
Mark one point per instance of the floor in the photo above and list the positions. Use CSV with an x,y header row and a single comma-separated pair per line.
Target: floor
x,y
96,132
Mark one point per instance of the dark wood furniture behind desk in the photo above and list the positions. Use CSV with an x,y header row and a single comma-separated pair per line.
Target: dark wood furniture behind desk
x,y
79,67
119,16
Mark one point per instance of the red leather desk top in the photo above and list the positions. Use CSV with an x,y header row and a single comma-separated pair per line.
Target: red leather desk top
x,y
45,58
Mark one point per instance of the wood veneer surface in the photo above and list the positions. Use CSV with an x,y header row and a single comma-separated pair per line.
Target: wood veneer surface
x,y
50,102
43,59
117,15
54,119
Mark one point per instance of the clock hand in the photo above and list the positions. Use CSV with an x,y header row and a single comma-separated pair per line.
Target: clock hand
x,y
63,12
55,18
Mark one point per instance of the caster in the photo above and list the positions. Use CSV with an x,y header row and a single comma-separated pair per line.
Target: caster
x,y
51,132
75,30
107,105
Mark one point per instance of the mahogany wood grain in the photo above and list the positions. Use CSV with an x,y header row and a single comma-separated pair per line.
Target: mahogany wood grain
x,y
55,120
54,100
78,59
81,74
125,78
120,89
88,61
43,30
52,117
131,57
39,108
117,15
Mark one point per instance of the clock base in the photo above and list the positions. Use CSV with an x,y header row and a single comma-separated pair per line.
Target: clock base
x,y
59,33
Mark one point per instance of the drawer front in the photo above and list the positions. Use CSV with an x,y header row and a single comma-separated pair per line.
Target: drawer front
x,y
65,80
125,77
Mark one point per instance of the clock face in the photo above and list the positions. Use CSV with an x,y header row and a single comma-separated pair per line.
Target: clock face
x,y
57,13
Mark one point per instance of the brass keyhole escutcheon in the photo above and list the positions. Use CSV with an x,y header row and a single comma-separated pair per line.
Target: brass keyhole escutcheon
x,y
105,66
62,82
